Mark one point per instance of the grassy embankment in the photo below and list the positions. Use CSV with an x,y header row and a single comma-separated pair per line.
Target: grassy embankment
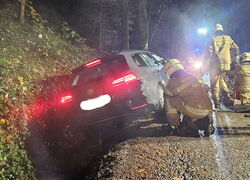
x,y
29,53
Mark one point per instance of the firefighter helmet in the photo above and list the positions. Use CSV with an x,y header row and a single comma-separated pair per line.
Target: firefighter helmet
x,y
218,27
172,65
245,57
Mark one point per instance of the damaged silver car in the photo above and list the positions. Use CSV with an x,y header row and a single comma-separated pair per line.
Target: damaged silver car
x,y
114,86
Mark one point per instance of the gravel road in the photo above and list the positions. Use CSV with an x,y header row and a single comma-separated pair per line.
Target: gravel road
x,y
146,151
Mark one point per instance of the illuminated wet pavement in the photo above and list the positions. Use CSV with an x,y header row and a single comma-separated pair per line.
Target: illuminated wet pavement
x,y
232,141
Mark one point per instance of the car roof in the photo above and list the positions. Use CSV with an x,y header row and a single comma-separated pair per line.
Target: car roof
x,y
105,58
131,51
114,54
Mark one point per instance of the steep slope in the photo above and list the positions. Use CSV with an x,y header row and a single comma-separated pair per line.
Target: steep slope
x,y
29,53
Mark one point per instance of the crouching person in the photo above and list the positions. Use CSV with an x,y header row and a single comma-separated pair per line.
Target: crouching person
x,y
187,98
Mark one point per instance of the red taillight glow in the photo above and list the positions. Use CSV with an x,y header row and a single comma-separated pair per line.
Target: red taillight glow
x,y
93,63
66,99
124,79
137,107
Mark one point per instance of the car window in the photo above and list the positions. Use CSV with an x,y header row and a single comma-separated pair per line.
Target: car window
x,y
148,59
157,58
138,60
110,65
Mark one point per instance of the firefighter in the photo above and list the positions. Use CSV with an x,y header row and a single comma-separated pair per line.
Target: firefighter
x,y
220,62
243,79
184,95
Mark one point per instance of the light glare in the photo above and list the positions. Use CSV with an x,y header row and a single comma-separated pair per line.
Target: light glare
x,y
202,31
197,64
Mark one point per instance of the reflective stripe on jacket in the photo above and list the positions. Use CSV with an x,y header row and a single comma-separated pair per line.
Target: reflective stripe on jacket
x,y
198,112
219,50
187,88
243,77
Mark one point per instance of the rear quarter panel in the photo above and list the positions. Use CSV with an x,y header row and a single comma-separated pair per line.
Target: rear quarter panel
x,y
150,77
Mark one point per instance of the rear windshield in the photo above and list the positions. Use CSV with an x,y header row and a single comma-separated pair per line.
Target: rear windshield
x,y
109,65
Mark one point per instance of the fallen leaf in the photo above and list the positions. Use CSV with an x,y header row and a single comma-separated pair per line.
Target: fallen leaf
x,y
2,121
161,154
203,172
40,36
140,170
176,178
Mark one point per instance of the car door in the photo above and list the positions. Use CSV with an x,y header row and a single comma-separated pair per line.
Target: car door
x,y
144,65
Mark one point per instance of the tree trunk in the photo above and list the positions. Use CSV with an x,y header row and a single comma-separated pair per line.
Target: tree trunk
x,y
100,30
21,10
143,24
125,25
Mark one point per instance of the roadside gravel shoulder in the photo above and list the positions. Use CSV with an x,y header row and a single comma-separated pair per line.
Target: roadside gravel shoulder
x,y
148,152
160,158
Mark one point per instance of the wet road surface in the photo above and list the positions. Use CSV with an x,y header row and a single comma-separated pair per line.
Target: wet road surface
x,y
148,152
232,141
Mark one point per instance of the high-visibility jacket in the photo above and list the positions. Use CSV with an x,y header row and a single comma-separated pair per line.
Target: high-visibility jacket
x,y
191,93
220,52
243,77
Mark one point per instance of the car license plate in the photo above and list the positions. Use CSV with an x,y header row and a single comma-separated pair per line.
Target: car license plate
x,y
95,103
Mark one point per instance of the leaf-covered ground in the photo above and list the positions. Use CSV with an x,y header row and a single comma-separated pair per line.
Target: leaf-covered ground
x,y
30,54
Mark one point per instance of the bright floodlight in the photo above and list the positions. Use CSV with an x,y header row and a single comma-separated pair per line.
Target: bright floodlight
x,y
202,31
197,64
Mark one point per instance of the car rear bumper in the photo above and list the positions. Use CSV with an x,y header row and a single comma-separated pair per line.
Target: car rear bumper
x,y
75,116
125,100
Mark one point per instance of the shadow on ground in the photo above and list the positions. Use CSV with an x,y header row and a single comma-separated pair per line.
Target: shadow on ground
x,y
65,153
233,131
77,153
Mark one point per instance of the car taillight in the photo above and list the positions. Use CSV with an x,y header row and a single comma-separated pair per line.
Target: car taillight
x,y
66,99
93,63
124,79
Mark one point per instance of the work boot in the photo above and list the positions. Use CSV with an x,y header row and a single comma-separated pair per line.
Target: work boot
x,y
227,100
188,128
206,125
216,103
174,131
